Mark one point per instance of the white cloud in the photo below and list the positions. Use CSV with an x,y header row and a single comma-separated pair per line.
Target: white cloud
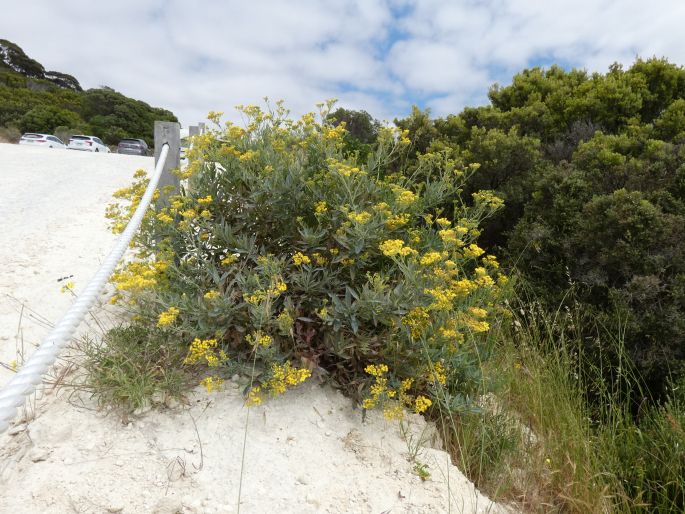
x,y
378,55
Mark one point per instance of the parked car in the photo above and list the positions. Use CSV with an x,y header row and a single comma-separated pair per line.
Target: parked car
x,y
133,147
87,143
47,140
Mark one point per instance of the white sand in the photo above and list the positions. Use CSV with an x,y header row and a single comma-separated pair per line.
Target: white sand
x,y
306,452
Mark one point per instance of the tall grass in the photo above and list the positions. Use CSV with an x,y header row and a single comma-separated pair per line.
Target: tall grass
x,y
557,435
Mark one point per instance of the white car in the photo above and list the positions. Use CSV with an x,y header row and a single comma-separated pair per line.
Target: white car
x,y
47,140
87,143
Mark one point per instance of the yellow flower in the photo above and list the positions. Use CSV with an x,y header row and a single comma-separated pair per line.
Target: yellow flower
x,y
229,259
165,218
205,349
299,259
473,251
430,258
278,288
478,312
259,339
396,222
443,222
376,370
206,200
212,383
417,321
361,218
393,247
421,404
319,259
320,208
168,317
393,411
69,286
254,397
438,374
491,260
211,295
405,197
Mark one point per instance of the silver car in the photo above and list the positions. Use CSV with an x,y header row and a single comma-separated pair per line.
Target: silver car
x,y
133,147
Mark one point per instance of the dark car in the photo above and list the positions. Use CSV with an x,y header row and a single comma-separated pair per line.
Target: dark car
x,y
133,147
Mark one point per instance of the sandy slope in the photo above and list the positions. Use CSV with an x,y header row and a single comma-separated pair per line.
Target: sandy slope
x,y
307,451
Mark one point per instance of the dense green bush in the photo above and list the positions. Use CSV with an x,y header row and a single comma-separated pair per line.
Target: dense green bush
x,y
592,171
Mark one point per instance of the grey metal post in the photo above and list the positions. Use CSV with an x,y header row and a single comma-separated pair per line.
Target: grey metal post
x,y
193,130
168,132
202,127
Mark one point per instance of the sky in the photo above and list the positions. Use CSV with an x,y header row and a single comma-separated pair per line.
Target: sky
x,y
382,56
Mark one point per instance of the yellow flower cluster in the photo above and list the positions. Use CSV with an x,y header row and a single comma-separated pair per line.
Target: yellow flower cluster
x,y
211,295
319,259
206,200
473,251
320,208
376,370
260,294
417,321
139,275
421,404
229,259
167,317
393,403
248,156
452,236
491,260
285,321
299,259
259,339
403,197
362,218
437,374
487,198
205,350
212,383
442,298
344,169
430,258
165,218
283,377
397,221
383,208
393,247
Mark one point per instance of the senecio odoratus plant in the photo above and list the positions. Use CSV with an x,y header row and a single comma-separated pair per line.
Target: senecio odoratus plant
x,y
284,257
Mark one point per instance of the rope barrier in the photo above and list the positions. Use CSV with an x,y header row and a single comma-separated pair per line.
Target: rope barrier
x,y
13,395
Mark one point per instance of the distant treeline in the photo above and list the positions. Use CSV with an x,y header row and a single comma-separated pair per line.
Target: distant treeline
x,y
35,100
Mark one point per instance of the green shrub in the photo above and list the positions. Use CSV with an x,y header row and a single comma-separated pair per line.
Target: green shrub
x,y
286,255
592,171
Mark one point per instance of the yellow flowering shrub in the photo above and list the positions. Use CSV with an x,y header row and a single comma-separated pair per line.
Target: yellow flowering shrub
x,y
284,255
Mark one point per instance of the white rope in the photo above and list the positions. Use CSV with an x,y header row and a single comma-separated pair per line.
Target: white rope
x,y
13,395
